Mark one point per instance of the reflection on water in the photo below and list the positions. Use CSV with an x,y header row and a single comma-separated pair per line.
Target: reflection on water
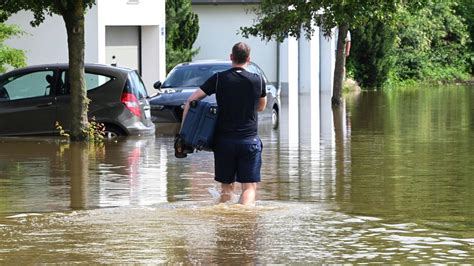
x,y
386,178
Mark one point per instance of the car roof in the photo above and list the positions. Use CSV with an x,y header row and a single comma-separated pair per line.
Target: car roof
x,y
206,62
88,66
212,62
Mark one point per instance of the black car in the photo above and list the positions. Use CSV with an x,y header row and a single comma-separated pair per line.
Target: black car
x,y
34,98
185,78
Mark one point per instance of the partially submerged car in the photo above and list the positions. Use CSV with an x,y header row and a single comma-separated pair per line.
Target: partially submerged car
x,y
34,98
185,78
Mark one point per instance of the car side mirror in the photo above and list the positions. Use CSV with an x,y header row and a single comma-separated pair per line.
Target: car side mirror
x,y
157,85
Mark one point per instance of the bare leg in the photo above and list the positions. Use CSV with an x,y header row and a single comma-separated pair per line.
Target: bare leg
x,y
249,191
226,194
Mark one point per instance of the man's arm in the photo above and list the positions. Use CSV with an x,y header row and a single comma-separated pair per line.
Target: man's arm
x,y
262,103
348,48
348,43
197,95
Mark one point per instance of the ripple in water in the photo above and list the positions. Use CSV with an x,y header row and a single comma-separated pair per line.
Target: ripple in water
x,y
206,232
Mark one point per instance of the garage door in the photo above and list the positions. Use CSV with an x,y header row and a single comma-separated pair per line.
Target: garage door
x,y
123,46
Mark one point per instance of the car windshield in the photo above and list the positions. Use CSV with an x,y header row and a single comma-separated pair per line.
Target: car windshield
x,y
192,75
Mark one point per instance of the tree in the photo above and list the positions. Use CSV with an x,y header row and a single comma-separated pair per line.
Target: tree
x,y
466,8
72,12
10,56
433,43
281,18
371,57
182,28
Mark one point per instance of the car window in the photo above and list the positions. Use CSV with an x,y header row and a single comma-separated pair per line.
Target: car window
x,y
91,80
192,75
253,68
135,86
30,85
95,80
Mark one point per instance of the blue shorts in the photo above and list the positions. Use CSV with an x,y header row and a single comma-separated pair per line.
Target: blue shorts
x,y
238,160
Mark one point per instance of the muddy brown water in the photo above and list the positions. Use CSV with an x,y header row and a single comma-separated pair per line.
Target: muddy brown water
x,y
393,182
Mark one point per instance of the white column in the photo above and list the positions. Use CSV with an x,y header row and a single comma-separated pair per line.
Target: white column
x,y
328,59
154,47
150,55
309,76
289,114
162,42
289,89
309,88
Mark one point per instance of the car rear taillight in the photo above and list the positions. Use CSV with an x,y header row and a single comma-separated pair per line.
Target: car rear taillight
x,y
132,104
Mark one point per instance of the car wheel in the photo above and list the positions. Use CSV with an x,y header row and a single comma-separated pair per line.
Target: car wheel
x,y
112,132
275,118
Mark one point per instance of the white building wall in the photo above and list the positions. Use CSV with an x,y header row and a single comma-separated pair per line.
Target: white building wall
x,y
131,13
219,31
150,15
47,43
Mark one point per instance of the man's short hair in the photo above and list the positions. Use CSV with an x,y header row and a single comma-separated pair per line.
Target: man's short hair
x,y
240,53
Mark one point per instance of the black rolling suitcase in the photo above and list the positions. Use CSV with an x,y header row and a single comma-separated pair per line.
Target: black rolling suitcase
x,y
199,124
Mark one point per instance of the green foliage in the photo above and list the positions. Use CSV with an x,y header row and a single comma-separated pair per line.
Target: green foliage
x,y
407,84
371,59
94,131
182,27
10,56
465,9
432,44
281,18
61,130
41,8
278,19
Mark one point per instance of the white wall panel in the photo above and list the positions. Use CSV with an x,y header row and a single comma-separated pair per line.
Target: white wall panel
x,y
130,12
122,42
219,31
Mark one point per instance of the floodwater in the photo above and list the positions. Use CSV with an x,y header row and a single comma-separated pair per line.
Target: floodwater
x,y
387,178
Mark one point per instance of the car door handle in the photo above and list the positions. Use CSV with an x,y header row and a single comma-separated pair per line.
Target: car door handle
x,y
45,105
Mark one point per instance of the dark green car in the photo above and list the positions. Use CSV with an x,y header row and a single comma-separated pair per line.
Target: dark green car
x,y
34,98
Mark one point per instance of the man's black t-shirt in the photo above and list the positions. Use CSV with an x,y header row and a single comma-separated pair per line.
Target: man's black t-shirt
x,y
238,93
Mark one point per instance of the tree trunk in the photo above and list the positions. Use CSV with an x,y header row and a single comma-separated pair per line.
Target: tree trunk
x,y
340,65
74,20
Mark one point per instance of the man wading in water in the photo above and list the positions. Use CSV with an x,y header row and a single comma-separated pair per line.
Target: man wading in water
x,y
237,148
